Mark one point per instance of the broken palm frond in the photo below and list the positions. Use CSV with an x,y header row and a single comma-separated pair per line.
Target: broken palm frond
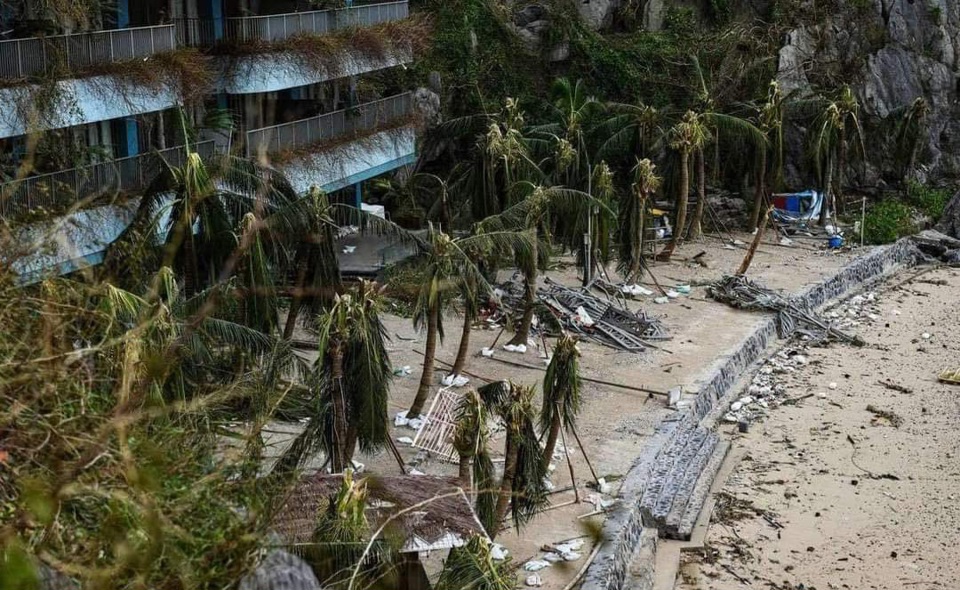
x,y
742,293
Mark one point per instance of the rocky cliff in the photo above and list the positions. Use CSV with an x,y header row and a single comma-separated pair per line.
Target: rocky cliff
x,y
891,52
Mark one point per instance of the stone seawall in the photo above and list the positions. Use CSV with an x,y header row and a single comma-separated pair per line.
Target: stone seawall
x,y
661,482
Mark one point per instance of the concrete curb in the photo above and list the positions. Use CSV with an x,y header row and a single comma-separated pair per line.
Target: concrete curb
x,y
626,526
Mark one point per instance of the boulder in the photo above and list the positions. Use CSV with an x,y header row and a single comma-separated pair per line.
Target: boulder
x,y
597,14
950,221
281,571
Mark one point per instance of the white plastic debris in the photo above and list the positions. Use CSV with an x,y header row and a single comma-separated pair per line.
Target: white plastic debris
x,y
603,486
682,289
661,300
786,242
402,371
671,294
535,565
405,440
358,467
400,419
548,485
571,556
518,348
739,243
832,385
574,545
349,249
583,317
925,335
415,423
534,581
552,557
735,406
801,360
486,352
418,472
455,380
498,552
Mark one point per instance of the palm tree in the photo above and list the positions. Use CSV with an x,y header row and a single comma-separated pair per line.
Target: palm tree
x,y
448,269
539,212
561,393
476,470
314,262
829,145
631,130
769,118
472,567
632,213
195,209
686,137
351,381
909,132
522,491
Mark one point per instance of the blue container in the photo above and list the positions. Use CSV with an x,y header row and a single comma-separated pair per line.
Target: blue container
x,y
836,242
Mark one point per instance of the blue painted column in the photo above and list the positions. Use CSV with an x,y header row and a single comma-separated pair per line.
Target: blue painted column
x,y
358,198
123,14
131,140
216,13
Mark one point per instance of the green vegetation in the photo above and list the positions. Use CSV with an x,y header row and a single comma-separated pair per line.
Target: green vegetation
x,y
930,201
887,222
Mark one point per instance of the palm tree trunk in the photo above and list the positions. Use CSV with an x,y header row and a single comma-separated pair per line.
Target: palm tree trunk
x,y
295,302
506,484
634,274
461,359
430,352
350,446
696,229
522,335
841,171
760,190
827,191
681,217
338,450
552,437
464,471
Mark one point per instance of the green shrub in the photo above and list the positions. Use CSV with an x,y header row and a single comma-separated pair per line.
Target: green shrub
x,y
887,221
931,201
680,20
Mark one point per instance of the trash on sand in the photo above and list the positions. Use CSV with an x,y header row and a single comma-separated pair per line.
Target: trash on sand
x,y
567,547
786,242
682,289
518,348
498,552
552,557
925,335
486,352
415,472
832,385
535,565
671,294
635,290
402,420
661,300
603,486
534,581
349,249
455,381
415,423
402,371
405,440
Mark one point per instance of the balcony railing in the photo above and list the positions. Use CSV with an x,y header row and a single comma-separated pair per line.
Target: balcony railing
x,y
61,190
33,56
278,27
329,126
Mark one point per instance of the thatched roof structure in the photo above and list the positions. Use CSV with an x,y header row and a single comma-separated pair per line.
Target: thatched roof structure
x,y
436,513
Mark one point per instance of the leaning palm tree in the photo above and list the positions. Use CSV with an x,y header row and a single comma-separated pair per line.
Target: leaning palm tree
x,y
632,213
631,129
686,137
561,393
195,210
351,383
447,270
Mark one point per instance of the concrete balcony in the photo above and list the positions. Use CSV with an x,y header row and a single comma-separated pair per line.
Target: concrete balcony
x,y
273,28
36,56
60,191
343,147
329,127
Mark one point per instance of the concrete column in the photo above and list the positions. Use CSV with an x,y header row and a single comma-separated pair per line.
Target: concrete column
x,y
130,142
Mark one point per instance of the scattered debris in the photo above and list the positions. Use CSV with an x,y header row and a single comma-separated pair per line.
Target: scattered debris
x,y
405,440
951,377
895,387
742,293
455,381
498,552
534,581
402,372
887,415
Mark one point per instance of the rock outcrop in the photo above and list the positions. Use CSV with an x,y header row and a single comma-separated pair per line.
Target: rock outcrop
x,y
891,52
950,222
